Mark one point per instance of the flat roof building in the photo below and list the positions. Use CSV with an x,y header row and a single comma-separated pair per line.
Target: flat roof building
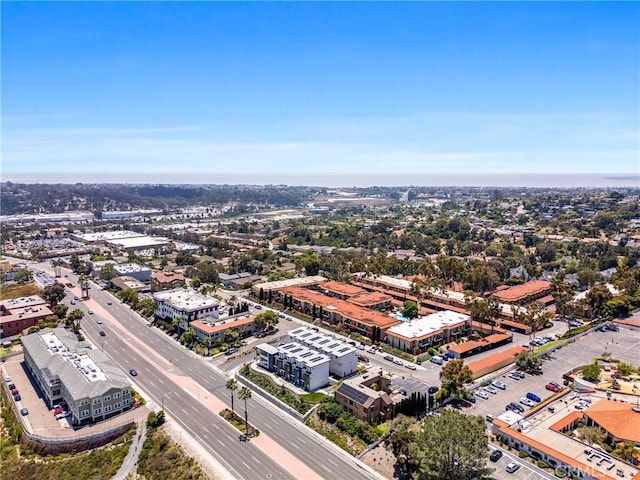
x,y
139,272
20,314
187,304
416,336
302,366
343,357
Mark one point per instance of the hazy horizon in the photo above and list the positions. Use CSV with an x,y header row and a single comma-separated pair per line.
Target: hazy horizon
x,y
567,180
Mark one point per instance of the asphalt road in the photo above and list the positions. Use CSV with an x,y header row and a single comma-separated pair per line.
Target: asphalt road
x,y
132,344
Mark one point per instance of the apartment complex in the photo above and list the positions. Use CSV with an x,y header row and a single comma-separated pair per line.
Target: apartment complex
x,y
301,366
20,314
69,371
343,358
185,304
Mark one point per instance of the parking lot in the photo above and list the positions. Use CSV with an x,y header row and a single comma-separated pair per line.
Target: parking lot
x,y
623,344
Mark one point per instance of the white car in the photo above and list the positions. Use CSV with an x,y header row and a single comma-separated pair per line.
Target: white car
x,y
499,385
512,467
491,390
527,402
482,394
410,366
7,379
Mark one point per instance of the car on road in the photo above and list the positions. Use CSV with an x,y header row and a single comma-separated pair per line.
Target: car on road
x,y
499,384
258,307
133,373
109,302
17,397
281,315
99,321
512,467
388,357
363,359
410,366
552,387
73,302
231,351
527,402
90,312
76,298
102,333
482,394
397,361
24,411
495,455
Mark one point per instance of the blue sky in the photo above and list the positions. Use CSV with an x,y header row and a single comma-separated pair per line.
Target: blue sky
x,y
320,88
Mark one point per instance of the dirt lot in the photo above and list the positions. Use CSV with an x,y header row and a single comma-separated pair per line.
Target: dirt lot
x,y
383,462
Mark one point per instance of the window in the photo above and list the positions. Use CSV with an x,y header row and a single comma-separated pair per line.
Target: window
x,y
125,392
84,413
107,408
117,405
107,398
97,411
125,401
96,400
116,395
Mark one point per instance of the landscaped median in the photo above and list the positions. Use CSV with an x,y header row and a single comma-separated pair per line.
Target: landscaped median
x,y
237,421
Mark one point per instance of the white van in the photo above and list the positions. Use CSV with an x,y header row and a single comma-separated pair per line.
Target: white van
x,y
438,360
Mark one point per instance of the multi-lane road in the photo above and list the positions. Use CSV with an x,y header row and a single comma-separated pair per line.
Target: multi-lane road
x,y
192,392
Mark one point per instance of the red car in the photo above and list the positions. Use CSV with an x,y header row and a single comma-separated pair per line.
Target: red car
x,y
14,391
552,387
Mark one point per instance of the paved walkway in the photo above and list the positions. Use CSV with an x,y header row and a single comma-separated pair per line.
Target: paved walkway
x,y
130,461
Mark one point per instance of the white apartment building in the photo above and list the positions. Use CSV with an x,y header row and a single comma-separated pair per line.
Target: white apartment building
x,y
343,358
187,304
303,367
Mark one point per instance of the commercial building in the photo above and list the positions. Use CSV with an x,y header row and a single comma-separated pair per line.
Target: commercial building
x,y
524,293
126,282
343,358
416,336
139,272
161,281
69,371
185,304
278,285
301,366
216,330
366,397
545,434
20,314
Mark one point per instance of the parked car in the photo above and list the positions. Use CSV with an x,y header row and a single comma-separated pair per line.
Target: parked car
x,y
520,373
437,360
533,396
491,390
556,384
482,394
14,391
7,379
499,385
514,407
514,375
448,355
62,415
432,390
552,387
17,397
258,307
12,386
24,412
495,455
512,467
527,402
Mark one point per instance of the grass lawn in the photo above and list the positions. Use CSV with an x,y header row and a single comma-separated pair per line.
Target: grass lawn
x,y
316,397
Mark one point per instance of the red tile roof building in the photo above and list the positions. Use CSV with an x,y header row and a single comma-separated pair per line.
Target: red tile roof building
x,y
523,294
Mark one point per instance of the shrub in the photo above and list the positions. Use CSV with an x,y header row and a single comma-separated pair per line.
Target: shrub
x,y
542,464
522,454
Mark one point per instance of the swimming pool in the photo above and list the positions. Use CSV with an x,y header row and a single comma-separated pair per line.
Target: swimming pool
x,y
399,316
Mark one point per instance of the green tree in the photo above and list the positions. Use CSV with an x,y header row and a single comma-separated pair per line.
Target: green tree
x,y
108,271
245,394
455,375
23,276
146,307
60,310
410,309
591,373
54,294
528,362
596,298
232,386
451,446
478,307
74,318
188,337
266,320
536,317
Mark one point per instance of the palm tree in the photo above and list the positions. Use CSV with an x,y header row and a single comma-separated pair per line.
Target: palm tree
x,y
245,394
232,385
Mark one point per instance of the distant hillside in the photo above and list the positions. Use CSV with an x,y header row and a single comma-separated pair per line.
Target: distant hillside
x,y
44,198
